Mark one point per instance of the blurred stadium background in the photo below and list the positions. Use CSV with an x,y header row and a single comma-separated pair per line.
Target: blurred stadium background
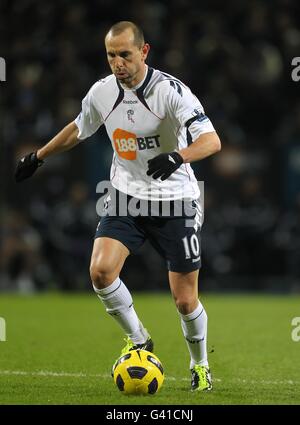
x,y
235,56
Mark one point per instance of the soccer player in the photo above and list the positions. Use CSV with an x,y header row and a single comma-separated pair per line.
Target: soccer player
x,y
157,127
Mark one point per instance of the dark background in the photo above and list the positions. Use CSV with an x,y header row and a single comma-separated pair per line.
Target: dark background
x,y
235,56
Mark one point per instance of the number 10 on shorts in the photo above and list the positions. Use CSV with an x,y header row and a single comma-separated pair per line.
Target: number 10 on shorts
x,y
191,246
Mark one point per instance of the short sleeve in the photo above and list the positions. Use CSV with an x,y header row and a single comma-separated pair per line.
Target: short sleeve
x,y
89,119
187,110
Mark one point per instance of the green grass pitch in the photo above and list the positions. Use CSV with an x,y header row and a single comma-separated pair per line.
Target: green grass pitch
x,y
60,349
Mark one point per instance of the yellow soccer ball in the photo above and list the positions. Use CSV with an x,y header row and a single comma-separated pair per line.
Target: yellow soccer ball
x,y
138,372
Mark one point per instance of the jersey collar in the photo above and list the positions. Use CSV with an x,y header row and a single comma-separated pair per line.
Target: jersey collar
x,y
139,91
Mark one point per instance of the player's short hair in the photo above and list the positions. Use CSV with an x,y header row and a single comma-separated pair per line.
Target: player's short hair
x,y
121,26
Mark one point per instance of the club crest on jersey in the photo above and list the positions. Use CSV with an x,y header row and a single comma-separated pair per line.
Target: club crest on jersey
x,y
127,144
130,114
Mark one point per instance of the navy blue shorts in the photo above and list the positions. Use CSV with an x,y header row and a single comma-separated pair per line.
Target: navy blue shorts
x,y
176,238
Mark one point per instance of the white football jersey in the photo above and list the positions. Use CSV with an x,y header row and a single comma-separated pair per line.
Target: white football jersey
x,y
161,114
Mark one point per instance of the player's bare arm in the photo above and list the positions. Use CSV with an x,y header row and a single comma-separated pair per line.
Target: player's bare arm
x,y
66,139
205,145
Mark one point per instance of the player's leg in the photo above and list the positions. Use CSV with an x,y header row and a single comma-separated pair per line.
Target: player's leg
x,y
193,317
184,288
177,239
107,260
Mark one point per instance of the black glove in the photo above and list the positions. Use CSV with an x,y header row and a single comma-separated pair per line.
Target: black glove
x,y
164,164
27,166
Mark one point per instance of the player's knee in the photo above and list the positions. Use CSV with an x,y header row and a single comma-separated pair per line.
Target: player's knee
x,y
185,305
102,275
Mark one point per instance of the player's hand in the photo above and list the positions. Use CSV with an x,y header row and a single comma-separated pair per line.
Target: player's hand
x,y
164,164
27,166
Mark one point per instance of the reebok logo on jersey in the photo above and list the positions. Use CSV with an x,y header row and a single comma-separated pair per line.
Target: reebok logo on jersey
x,y
127,144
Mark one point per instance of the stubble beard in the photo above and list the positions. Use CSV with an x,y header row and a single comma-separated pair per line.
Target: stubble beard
x,y
128,80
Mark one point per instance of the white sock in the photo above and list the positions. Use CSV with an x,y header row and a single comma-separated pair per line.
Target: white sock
x,y
118,303
194,326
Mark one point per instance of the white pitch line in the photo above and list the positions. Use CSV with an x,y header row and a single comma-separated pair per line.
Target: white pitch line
x,y
53,374
47,373
73,375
